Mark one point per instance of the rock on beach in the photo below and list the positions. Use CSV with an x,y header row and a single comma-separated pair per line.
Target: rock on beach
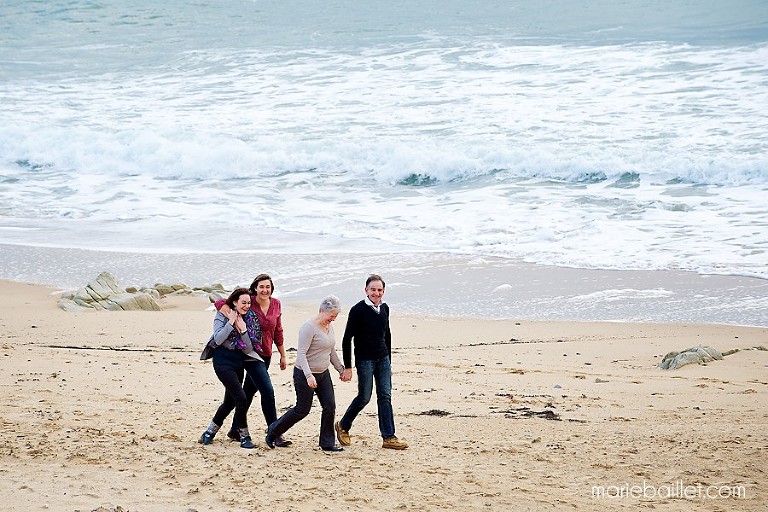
x,y
104,293
693,355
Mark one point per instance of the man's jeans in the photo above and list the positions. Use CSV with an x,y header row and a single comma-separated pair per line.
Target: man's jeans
x,y
368,371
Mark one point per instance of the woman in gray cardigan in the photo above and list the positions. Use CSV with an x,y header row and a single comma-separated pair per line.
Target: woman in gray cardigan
x,y
316,351
234,340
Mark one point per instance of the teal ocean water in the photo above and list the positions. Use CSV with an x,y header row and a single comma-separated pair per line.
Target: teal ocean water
x,y
600,135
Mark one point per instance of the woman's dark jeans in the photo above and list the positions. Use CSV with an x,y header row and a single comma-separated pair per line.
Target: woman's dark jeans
x,y
304,396
234,397
259,380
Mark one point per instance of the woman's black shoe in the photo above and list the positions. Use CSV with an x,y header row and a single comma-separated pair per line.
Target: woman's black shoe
x,y
233,434
332,448
245,442
282,442
270,438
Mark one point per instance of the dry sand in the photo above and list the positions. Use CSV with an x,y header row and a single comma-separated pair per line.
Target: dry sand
x,y
102,411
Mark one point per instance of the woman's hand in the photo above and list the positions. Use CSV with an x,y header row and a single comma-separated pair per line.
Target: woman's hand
x,y
232,316
283,362
346,375
240,324
311,382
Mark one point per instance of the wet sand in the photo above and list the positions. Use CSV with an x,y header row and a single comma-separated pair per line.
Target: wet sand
x,y
431,284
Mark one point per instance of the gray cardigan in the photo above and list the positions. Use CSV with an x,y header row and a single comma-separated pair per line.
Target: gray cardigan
x,y
221,330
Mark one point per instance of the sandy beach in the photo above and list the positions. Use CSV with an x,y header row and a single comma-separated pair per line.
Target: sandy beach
x,y
558,195
102,411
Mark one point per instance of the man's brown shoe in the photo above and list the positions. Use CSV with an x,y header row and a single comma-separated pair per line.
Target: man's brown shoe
x,y
342,435
394,443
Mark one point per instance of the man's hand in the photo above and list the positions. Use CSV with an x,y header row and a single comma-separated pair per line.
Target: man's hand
x,y
311,382
346,375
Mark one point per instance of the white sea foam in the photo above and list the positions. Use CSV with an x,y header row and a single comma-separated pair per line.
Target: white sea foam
x,y
619,295
620,142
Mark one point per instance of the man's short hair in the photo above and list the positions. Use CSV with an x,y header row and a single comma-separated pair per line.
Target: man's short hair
x,y
375,277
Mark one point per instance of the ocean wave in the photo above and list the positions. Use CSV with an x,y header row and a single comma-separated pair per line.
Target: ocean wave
x,y
614,141
211,157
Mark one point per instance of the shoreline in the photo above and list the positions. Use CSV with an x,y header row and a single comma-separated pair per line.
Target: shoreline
x,y
433,284
102,411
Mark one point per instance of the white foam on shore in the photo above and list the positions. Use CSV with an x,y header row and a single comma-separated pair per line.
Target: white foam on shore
x,y
619,294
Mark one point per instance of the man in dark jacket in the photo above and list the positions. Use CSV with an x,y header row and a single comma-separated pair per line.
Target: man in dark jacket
x,y
368,326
